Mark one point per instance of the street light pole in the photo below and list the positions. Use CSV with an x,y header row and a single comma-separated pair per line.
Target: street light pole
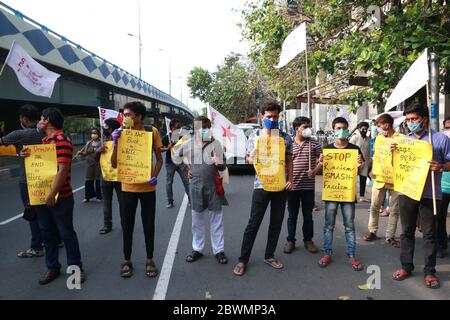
x,y
170,69
140,42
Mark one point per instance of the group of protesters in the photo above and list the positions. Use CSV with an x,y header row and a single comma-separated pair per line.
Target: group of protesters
x,y
303,161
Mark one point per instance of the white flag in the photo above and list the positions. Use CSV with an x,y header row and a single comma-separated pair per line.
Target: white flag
x,y
105,114
294,44
415,78
229,135
167,124
32,76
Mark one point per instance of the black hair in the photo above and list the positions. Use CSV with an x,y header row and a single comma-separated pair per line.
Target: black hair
x,y
173,123
299,121
31,112
385,118
416,108
204,120
363,124
114,124
445,120
137,107
270,106
96,129
339,120
54,116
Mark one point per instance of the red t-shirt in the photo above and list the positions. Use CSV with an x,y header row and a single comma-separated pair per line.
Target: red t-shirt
x,y
64,153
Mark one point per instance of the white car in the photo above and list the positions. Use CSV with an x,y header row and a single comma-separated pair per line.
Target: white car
x,y
238,163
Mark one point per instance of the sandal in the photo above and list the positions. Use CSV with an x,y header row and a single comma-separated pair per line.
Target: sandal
x,y
151,270
222,258
356,264
239,269
126,270
105,230
274,263
370,237
194,256
325,261
432,282
401,275
393,242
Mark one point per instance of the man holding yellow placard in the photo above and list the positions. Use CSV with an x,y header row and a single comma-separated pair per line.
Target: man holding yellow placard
x,y
383,173
57,213
410,161
270,151
110,181
29,135
340,162
136,146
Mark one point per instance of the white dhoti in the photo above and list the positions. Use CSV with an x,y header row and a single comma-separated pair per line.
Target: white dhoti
x,y
199,230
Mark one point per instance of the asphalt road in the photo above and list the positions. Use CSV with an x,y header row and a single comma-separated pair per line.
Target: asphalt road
x,y
205,279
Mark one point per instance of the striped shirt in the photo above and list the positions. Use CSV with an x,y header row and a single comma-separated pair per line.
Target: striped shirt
x,y
64,153
300,158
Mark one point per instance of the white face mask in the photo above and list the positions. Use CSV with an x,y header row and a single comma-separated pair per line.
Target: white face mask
x,y
307,133
447,133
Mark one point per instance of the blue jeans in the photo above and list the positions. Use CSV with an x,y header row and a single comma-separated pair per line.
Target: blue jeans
x,y
348,215
59,219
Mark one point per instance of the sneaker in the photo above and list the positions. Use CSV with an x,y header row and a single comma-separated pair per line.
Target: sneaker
x,y
289,247
31,253
310,246
49,276
170,205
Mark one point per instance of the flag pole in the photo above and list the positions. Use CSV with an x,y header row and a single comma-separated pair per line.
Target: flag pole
x,y
307,83
433,178
7,57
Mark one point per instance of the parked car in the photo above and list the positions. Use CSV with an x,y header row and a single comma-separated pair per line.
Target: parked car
x,y
238,164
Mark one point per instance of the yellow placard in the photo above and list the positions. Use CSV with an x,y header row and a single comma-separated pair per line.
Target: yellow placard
x,y
41,168
109,173
382,160
270,162
134,157
8,151
340,171
411,166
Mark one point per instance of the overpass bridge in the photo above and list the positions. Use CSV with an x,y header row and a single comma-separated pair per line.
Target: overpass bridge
x,y
87,80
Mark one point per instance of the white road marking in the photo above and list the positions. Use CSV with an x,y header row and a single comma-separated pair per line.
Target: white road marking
x,y
166,271
20,215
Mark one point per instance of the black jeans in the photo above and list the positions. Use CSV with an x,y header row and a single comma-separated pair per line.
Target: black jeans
x,y
260,202
128,215
362,185
108,188
91,192
36,237
306,198
409,211
442,236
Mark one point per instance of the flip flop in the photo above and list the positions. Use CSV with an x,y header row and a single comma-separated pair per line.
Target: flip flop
x,y
274,263
239,269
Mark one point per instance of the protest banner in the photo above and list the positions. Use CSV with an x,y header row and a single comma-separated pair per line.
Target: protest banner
x,y
8,151
134,157
382,161
41,168
109,173
411,166
340,170
270,163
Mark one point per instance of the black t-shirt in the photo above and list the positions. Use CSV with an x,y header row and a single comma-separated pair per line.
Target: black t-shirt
x,y
166,142
349,146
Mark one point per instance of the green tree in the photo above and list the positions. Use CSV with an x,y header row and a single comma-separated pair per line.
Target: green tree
x,y
199,81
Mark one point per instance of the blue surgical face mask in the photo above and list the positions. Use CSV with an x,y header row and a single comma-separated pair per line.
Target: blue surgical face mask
x,y
205,134
415,127
271,125
342,134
